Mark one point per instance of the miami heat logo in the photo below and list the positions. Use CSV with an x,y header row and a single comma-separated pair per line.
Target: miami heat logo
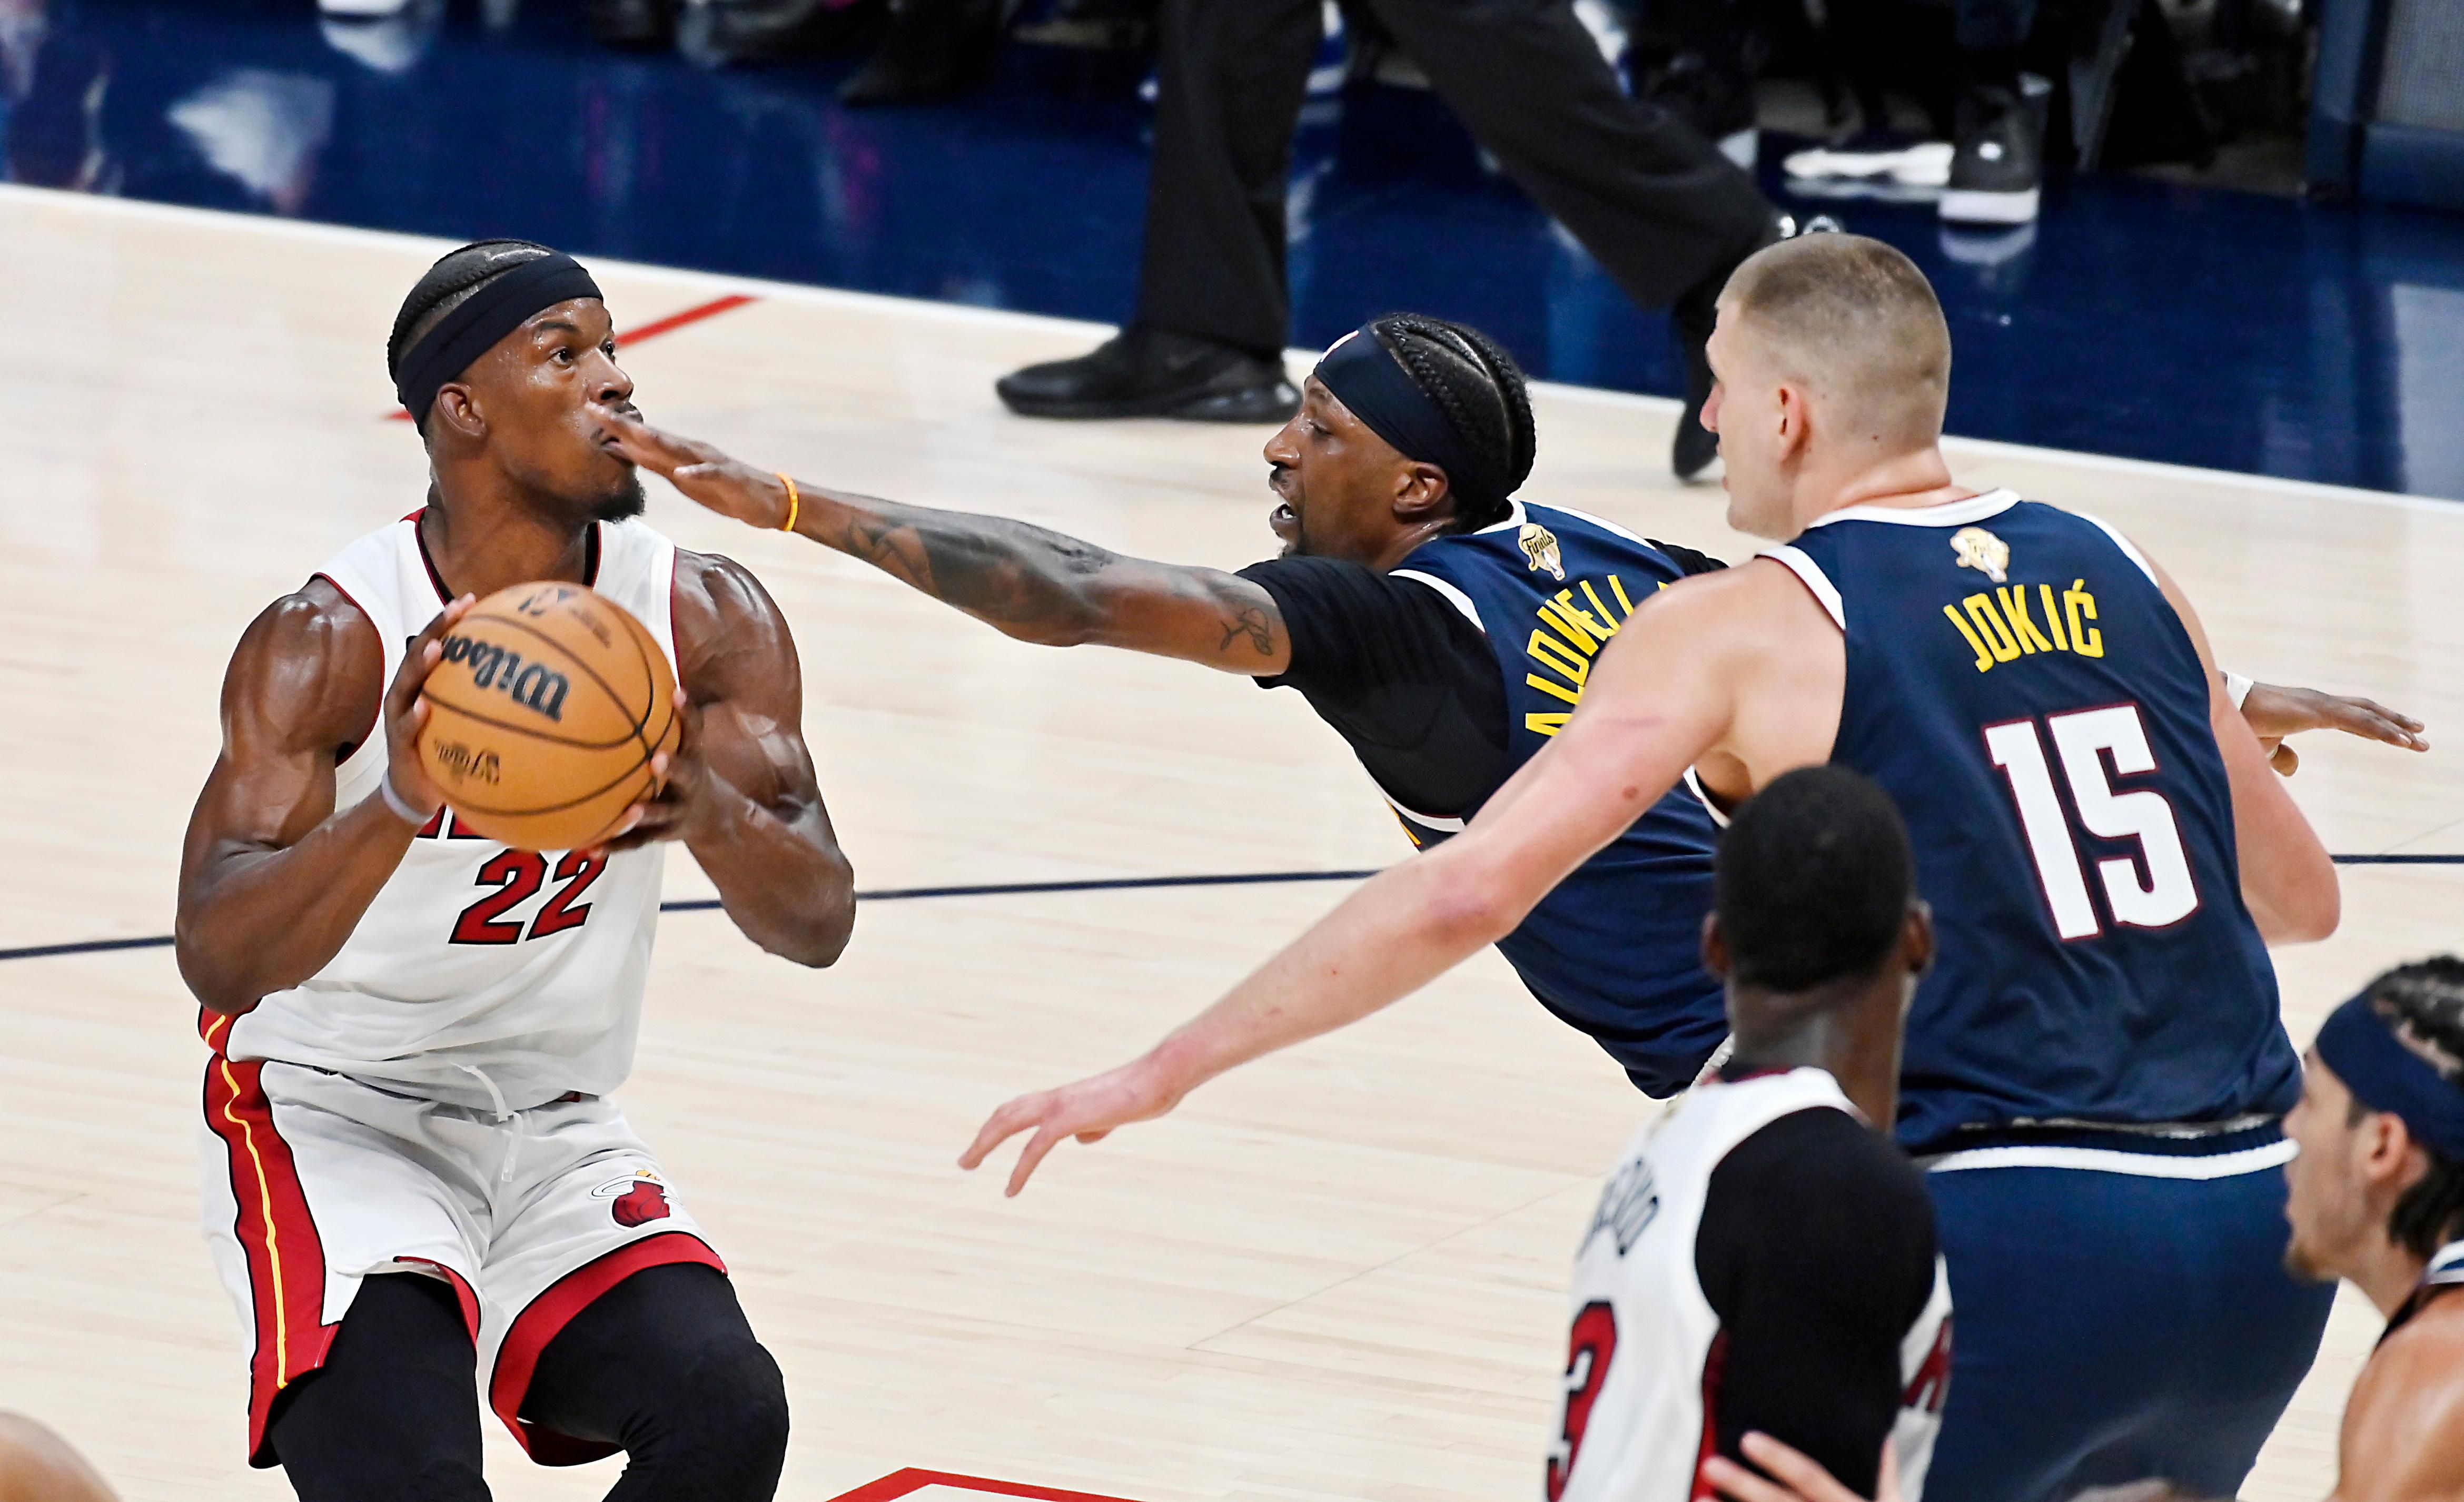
x,y
639,1198
1981,550
1540,545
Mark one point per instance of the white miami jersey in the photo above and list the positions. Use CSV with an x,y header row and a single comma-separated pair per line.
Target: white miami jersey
x,y
1642,1372
481,976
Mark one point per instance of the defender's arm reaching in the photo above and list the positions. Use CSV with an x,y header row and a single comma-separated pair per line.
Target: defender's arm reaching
x,y
1664,696
2287,879
1027,582
1738,675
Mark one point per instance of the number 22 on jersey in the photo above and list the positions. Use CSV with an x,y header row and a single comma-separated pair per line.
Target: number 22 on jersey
x,y
2155,890
517,876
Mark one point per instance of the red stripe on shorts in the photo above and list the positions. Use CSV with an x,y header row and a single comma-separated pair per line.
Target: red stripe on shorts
x,y
286,1260
545,1316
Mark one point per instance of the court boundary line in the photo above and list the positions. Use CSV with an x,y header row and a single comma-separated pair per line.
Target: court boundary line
x,y
1005,889
60,199
1021,888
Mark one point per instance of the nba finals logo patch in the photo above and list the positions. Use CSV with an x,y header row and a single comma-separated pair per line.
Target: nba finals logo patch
x,y
639,1198
1540,545
1981,550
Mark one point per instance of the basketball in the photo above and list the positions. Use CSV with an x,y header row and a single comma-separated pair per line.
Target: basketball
x,y
544,716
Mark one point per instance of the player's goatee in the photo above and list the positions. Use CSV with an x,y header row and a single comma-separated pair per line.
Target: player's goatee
x,y
625,503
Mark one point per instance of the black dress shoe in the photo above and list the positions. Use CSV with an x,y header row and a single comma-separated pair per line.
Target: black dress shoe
x,y
934,50
632,23
1697,310
1152,372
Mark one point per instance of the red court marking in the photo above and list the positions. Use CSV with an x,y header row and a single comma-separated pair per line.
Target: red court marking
x,y
669,325
899,1482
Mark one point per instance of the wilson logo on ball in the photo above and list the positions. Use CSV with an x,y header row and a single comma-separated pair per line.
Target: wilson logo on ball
x,y
464,765
528,684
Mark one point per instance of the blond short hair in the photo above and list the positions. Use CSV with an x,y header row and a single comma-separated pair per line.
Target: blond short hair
x,y
1855,320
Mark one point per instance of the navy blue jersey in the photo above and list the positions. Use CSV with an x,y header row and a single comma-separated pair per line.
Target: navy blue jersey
x,y
2019,683
1614,949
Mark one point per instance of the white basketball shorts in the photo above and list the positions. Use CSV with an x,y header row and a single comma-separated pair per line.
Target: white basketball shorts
x,y
312,1182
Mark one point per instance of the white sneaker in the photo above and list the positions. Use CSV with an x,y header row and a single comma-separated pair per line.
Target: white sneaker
x,y
1926,164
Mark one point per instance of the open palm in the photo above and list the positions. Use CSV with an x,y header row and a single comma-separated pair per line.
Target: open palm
x,y
703,474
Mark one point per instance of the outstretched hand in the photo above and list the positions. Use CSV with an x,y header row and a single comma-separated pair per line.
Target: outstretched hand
x,y
1088,1110
2276,710
701,473
1795,1476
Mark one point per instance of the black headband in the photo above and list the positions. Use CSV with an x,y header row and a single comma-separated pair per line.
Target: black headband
x,y
2363,1049
1366,377
472,329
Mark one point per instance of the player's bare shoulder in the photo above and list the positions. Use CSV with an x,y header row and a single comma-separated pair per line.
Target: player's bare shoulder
x,y
726,623
311,664
2404,1423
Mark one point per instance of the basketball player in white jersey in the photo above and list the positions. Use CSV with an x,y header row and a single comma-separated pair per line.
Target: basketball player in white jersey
x,y
1764,1259
413,1173
2377,1198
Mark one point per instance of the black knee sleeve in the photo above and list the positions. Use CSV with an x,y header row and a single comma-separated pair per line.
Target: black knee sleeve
x,y
727,1417
665,1366
393,1415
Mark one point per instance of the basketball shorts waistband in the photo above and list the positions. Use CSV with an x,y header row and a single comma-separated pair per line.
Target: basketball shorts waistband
x,y
2161,1150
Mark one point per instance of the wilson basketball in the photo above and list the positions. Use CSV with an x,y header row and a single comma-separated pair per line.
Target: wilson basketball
x,y
544,714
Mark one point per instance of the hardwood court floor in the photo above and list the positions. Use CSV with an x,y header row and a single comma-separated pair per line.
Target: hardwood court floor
x,y
1335,1275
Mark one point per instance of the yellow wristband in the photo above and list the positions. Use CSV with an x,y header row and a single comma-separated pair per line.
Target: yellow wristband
x,y
795,502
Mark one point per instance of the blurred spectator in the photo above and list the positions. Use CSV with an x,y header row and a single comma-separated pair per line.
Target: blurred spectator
x,y
53,83
1661,211
1988,173
1998,132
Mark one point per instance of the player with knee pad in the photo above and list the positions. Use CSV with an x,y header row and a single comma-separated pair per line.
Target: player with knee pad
x,y
416,1188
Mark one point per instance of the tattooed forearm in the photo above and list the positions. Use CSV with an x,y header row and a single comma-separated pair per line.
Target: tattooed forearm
x,y
1025,580
1042,586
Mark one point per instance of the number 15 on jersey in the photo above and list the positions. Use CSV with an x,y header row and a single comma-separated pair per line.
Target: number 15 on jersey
x,y
2153,889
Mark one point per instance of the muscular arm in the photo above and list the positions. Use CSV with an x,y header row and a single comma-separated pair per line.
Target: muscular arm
x,y
753,816
273,880
1665,695
1027,582
2287,878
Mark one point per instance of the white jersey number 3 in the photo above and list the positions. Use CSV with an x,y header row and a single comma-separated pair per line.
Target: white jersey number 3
x,y
2152,892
